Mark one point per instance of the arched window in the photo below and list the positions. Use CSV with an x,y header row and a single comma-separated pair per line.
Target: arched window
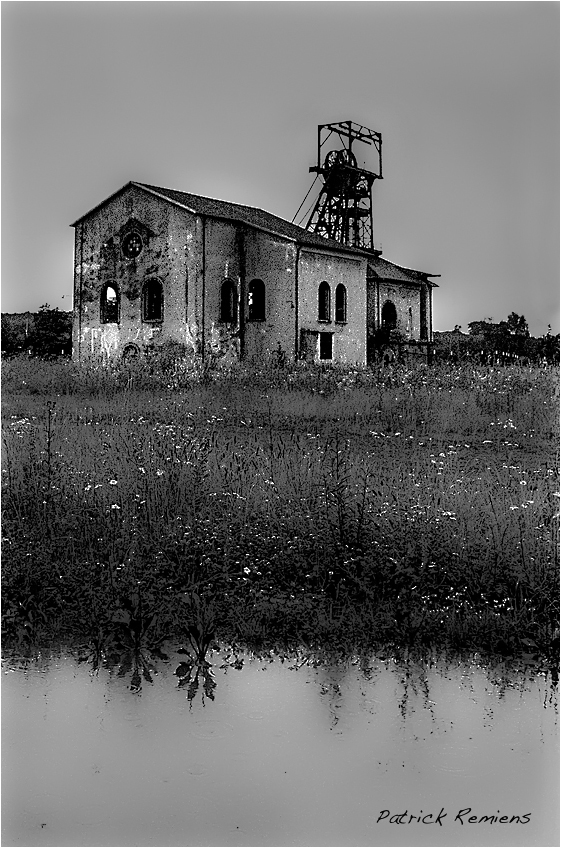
x,y
341,304
229,302
389,316
152,301
109,304
256,301
324,302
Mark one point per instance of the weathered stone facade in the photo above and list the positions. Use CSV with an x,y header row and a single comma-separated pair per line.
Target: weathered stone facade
x,y
155,266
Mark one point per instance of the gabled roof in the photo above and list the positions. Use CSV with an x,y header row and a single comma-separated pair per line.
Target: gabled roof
x,y
250,215
383,269
261,220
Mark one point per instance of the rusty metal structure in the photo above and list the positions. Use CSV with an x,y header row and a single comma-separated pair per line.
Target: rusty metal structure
x,y
343,209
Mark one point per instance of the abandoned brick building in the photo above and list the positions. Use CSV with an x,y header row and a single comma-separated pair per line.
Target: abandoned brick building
x,y
156,266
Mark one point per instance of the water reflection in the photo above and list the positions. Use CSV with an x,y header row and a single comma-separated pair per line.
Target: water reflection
x,y
289,750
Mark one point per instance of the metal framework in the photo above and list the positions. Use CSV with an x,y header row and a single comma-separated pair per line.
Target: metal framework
x,y
343,210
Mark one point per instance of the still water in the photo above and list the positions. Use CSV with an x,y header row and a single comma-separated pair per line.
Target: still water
x,y
285,754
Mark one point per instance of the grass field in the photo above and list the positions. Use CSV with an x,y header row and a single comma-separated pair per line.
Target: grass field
x,y
407,507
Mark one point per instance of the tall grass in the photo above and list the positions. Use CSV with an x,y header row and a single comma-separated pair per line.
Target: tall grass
x,y
412,506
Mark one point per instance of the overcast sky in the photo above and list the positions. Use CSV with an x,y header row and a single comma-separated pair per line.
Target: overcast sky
x,y
224,99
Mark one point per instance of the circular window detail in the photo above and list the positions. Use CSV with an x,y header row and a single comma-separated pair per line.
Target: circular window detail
x,y
132,245
131,354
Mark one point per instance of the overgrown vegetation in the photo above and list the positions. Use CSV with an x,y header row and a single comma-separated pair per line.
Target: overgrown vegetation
x,y
294,506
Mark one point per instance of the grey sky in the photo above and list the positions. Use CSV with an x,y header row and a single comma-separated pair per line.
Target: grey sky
x,y
224,99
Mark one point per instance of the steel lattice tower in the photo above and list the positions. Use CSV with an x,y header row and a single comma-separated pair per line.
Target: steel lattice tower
x,y
343,210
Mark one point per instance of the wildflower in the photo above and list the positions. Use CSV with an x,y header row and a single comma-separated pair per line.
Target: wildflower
x,y
112,482
159,472
115,506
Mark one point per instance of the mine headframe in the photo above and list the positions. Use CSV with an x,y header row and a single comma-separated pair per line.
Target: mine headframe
x,y
343,210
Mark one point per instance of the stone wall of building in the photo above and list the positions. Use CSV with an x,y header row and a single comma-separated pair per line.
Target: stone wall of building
x,y
167,256
191,257
349,337
407,301
138,249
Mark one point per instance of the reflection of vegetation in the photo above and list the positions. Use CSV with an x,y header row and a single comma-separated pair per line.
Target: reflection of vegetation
x,y
349,509
342,680
189,672
131,645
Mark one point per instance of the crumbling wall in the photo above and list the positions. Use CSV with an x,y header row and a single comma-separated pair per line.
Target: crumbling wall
x,y
407,301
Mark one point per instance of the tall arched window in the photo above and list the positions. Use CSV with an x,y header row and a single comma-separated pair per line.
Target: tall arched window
x,y
256,301
324,302
389,316
109,304
341,304
229,302
152,301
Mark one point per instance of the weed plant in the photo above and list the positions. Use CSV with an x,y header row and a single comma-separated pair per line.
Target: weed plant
x,y
408,506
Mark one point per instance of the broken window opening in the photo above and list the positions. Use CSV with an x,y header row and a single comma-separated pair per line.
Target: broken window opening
x,y
229,302
109,304
324,302
389,316
326,346
341,304
152,301
256,301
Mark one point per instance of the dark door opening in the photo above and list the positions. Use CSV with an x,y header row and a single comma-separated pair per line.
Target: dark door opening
x,y
326,345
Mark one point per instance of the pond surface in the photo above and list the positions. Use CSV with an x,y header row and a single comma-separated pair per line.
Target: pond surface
x,y
285,754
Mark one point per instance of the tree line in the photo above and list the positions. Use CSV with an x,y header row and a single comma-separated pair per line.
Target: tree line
x,y
496,343
46,333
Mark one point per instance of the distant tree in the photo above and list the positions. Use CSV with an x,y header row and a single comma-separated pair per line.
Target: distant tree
x,y
16,329
11,338
52,333
549,347
506,341
517,324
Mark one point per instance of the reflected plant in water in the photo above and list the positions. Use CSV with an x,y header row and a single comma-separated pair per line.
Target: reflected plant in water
x,y
188,674
200,634
131,642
